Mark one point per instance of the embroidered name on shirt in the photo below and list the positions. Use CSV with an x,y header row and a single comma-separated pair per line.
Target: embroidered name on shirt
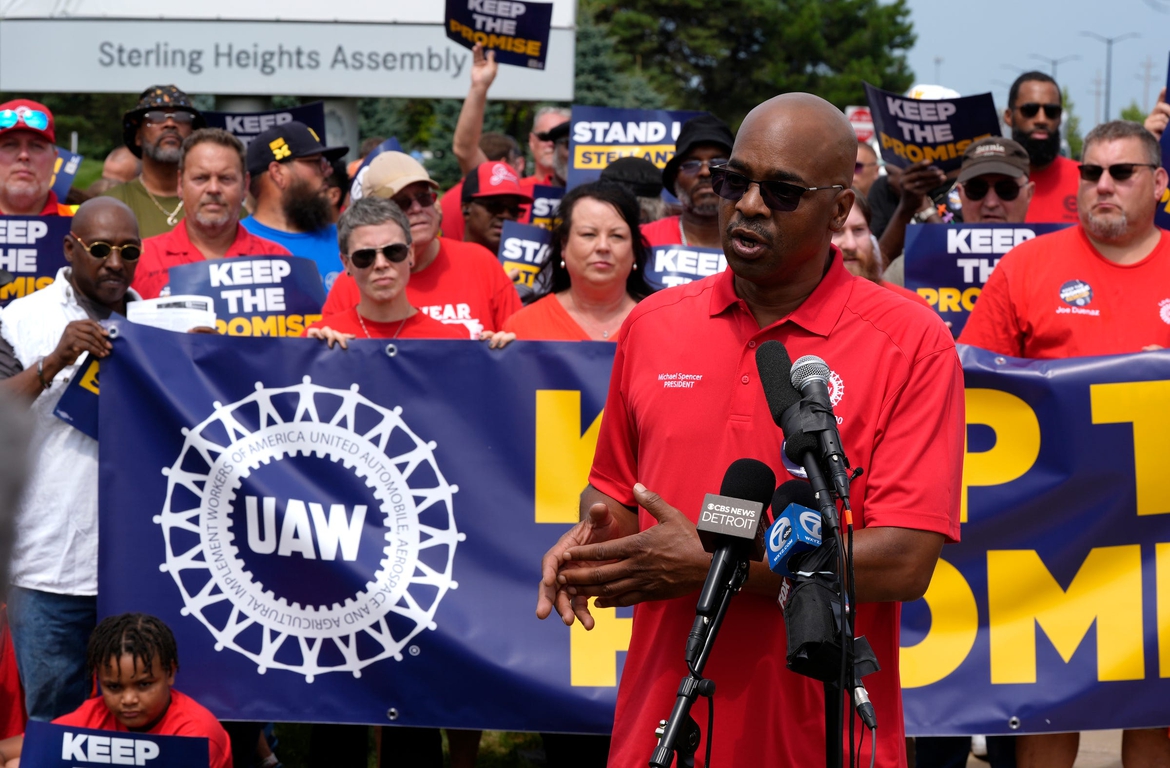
x,y
679,380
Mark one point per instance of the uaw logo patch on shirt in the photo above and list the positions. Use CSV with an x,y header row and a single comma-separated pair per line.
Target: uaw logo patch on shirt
x,y
309,529
1164,310
1077,294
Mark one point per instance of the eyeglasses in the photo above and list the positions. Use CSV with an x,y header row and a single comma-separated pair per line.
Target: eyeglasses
x,y
1119,171
778,195
500,207
317,161
158,117
395,253
33,118
100,249
1031,109
1005,189
424,199
692,166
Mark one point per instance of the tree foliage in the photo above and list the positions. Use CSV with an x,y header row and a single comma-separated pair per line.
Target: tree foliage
x,y
1133,113
726,57
1072,126
97,118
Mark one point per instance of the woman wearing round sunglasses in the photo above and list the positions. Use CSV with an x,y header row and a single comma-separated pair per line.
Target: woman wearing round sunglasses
x,y
374,235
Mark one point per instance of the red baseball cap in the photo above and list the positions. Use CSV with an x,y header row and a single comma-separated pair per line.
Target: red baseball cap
x,y
492,179
27,115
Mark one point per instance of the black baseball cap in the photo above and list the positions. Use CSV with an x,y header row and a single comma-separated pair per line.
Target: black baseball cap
x,y
636,174
288,141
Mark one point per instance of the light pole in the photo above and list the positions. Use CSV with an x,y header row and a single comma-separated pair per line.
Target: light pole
x,y
1054,63
1109,41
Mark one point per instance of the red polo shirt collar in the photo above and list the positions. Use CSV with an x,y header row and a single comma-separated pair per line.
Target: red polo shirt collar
x,y
818,313
178,241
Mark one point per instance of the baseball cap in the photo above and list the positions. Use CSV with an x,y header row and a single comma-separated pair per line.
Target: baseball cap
x,y
27,115
994,154
492,179
288,141
636,174
558,131
391,172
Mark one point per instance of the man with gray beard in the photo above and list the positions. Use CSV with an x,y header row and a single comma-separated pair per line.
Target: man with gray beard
x,y
154,131
212,185
704,141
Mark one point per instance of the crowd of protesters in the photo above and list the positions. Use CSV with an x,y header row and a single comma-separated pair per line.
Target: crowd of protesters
x,y
403,261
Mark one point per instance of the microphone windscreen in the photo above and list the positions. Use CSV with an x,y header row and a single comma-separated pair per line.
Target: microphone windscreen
x,y
775,368
794,492
750,480
799,444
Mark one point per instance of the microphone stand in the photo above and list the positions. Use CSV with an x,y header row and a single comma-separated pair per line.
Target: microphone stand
x,y
680,733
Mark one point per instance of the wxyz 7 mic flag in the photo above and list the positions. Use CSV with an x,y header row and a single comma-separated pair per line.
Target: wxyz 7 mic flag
x,y
350,536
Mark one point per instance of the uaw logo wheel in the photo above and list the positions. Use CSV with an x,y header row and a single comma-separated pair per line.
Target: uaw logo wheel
x,y
836,388
309,529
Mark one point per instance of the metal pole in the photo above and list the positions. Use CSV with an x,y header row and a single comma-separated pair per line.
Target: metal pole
x,y
1109,41
1054,63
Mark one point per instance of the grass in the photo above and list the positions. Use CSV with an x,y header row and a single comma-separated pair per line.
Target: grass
x,y
89,172
498,749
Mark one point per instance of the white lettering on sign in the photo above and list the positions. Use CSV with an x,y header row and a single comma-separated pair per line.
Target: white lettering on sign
x,y
338,529
926,111
985,267
22,231
545,206
506,8
18,259
107,750
233,272
994,240
605,132
253,124
530,251
254,300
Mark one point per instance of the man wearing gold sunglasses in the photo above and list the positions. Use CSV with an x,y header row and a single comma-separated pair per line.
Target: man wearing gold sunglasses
x,y
52,600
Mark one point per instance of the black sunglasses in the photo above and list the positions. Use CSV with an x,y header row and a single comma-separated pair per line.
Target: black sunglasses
x,y
777,195
692,166
500,207
424,199
158,116
1031,109
363,258
1119,171
100,249
1005,189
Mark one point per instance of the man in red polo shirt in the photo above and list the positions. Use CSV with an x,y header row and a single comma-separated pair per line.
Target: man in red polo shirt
x,y
212,185
28,154
898,395
1033,113
1100,288
453,282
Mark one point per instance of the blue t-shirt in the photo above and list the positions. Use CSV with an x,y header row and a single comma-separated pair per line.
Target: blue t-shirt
x,y
320,246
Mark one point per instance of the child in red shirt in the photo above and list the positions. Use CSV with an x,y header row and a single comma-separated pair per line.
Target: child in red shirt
x,y
135,660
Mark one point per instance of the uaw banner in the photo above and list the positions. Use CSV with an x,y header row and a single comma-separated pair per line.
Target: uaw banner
x,y
64,170
525,248
1053,613
47,745
255,295
245,126
948,264
1162,218
353,536
600,135
546,201
32,250
78,404
672,265
938,131
516,30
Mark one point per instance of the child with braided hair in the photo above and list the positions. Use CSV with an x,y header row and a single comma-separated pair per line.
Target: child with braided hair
x,y
135,660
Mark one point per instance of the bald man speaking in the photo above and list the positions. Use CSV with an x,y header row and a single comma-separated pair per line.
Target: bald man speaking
x,y
898,396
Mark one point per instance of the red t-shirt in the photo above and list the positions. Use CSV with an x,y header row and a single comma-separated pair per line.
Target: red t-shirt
x,y
1055,198
897,389
907,293
451,204
417,326
170,249
464,285
545,320
184,717
1055,296
663,232
53,207
12,714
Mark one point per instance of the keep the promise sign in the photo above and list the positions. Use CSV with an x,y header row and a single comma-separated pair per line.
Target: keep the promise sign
x,y
62,746
245,126
938,131
672,265
32,251
516,31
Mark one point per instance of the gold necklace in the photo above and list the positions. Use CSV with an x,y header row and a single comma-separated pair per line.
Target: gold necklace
x,y
367,331
172,216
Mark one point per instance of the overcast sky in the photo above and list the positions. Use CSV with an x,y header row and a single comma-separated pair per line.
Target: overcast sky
x,y
985,44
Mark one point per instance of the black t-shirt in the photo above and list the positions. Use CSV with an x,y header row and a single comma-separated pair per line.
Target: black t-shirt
x,y
882,202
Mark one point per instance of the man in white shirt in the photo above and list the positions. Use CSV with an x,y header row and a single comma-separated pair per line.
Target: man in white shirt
x,y
52,598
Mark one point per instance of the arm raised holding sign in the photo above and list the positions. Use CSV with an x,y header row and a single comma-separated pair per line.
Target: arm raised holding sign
x,y
469,129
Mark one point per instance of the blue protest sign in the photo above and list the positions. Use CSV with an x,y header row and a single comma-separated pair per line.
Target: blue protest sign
x,y
255,295
1162,216
600,135
672,265
78,404
47,745
524,247
64,170
517,31
938,131
32,250
947,264
545,203
389,145
247,125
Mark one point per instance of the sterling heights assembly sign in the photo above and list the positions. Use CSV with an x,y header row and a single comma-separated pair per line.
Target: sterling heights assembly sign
x,y
246,47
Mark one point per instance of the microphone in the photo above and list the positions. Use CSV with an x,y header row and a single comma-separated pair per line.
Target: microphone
x,y
810,375
797,529
729,527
